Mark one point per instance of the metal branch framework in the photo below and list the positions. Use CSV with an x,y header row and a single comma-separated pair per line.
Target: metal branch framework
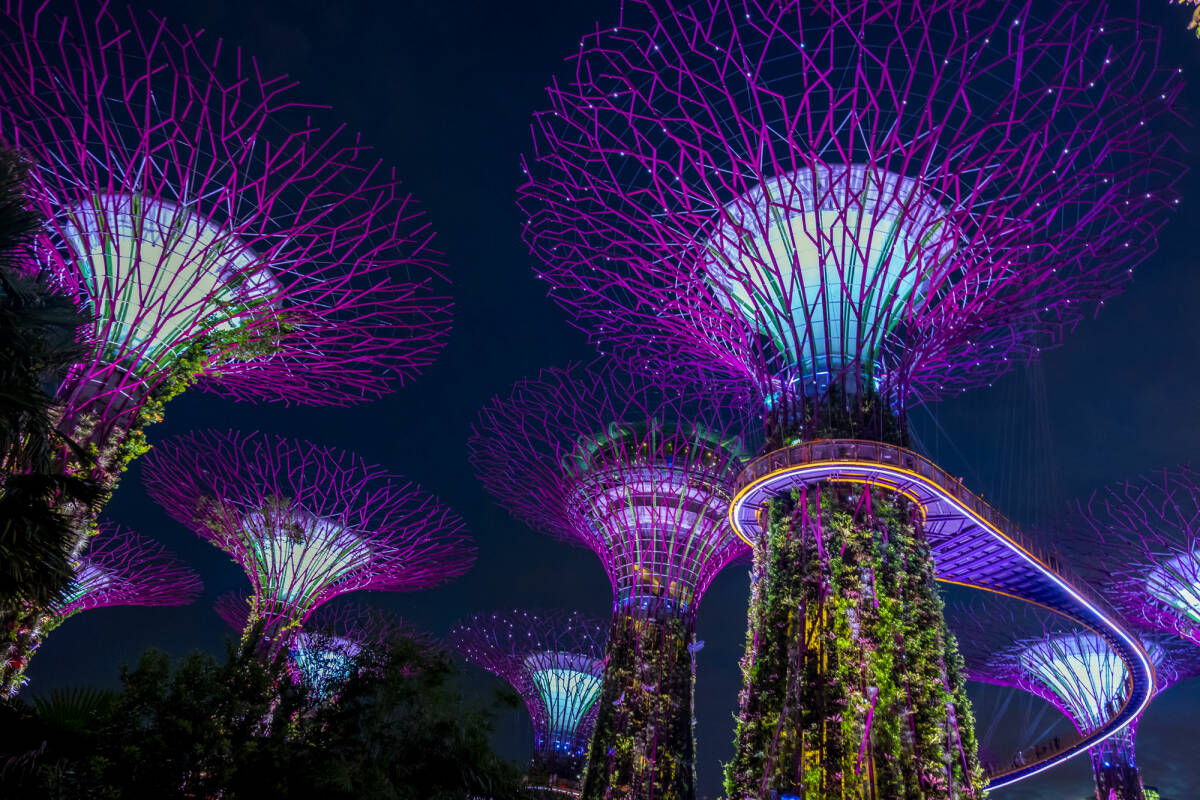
x,y
637,471
555,661
1073,669
209,225
335,640
306,523
124,569
1141,540
901,196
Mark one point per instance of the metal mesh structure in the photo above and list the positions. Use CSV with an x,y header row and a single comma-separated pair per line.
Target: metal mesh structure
x,y
306,523
124,569
1141,540
636,471
1076,671
555,661
900,197
209,225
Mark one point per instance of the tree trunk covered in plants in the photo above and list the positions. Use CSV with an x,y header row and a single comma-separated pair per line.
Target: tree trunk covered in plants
x,y
1116,773
852,686
643,747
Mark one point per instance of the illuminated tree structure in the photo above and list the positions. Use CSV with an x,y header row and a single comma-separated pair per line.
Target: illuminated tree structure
x,y
637,473
306,523
844,208
1140,540
1075,670
215,234
335,641
120,569
213,237
555,661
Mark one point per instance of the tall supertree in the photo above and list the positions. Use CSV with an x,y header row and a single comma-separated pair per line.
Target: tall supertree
x,y
1075,670
306,523
555,662
213,232
335,641
844,208
1140,540
641,474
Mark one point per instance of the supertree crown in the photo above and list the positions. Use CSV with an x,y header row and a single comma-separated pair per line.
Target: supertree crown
x,y
306,523
635,470
1140,540
337,639
124,569
1072,668
207,224
902,197
555,661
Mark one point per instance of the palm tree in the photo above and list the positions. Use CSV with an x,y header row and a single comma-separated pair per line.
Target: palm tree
x,y
39,504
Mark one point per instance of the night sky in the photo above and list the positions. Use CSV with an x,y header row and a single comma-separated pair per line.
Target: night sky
x,y
444,91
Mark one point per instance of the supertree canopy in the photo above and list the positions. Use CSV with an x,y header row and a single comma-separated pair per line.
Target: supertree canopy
x,y
555,661
120,569
306,523
335,641
124,569
1141,541
641,474
1075,670
212,230
843,207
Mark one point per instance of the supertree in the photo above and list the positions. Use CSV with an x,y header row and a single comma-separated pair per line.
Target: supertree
x,y
120,569
1074,669
215,234
844,208
555,662
1140,540
641,473
335,641
306,523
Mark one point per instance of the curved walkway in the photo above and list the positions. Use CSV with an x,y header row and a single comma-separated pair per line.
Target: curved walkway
x,y
972,546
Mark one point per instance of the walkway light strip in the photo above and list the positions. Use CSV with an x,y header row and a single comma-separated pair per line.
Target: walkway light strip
x,y
894,472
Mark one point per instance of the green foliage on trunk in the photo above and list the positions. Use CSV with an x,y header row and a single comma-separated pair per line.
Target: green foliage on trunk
x,y
853,686
643,744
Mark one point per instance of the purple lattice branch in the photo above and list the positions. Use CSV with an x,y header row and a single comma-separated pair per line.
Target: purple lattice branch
x,y
124,569
1140,540
638,471
198,212
902,196
518,645
306,523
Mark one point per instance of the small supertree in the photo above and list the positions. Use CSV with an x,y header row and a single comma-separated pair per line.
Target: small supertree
x,y
214,234
555,662
119,569
1075,670
306,523
335,641
1140,540
845,207
637,472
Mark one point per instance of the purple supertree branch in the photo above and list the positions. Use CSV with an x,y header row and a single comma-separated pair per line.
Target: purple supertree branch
x,y
124,569
1140,540
306,523
367,626
299,268
1015,156
506,645
640,472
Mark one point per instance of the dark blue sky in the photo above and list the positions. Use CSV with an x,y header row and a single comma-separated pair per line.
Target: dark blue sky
x,y
444,91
